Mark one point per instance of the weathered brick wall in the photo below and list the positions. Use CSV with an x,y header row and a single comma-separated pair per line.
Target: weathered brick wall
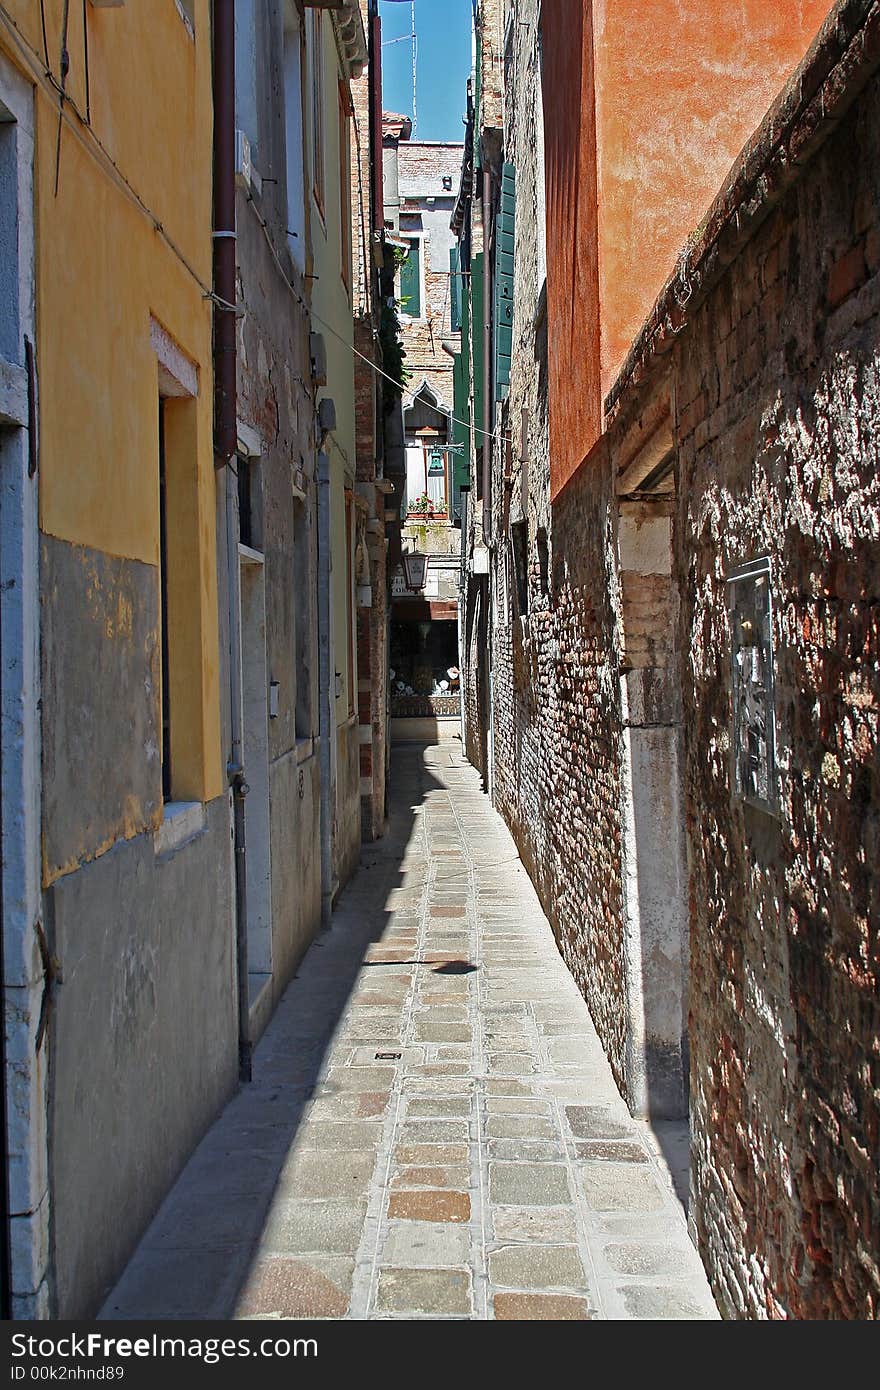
x,y
779,421
554,671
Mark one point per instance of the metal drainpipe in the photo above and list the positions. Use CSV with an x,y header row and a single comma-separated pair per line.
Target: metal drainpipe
x,y
325,694
235,771
487,366
225,444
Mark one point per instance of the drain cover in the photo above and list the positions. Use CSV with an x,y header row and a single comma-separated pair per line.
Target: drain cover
x,y
388,1056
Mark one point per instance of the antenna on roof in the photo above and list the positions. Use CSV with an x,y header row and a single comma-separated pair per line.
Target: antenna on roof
x,y
415,47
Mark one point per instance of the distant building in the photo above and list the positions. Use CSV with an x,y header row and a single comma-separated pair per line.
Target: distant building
x,y
421,181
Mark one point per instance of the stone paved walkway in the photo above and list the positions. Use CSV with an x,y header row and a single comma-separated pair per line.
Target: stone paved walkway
x,y
433,1129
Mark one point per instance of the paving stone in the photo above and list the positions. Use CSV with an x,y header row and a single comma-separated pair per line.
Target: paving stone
x,y
662,1304
434,1132
537,1267
439,1292
430,1154
532,1307
313,1173
525,1150
595,1122
549,1224
621,1187
298,1227
508,1086
358,1079
528,1184
427,1244
288,1288
330,1134
518,1105
431,1177
511,1064
520,1127
616,1150
429,1206
429,1031
441,1107
643,1259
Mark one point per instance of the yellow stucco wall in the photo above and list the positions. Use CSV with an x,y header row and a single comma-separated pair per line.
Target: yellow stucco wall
x,y
332,306
102,272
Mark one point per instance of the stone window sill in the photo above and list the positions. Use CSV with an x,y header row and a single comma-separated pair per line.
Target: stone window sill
x,y
183,821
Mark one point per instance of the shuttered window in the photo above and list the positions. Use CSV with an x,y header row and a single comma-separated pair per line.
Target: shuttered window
x,y
410,283
454,290
503,306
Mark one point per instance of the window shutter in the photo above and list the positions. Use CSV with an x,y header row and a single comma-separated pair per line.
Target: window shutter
x,y
478,317
455,290
504,244
410,284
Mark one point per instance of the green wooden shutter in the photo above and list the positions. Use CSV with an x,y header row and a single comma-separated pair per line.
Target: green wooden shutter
x,y
503,306
461,425
454,290
410,283
477,301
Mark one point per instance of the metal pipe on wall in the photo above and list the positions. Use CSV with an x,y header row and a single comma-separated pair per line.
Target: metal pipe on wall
x,y
236,774
225,445
225,414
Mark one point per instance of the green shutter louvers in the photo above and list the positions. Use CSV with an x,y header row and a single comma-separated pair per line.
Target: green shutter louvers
x,y
454,290
503,306
410,283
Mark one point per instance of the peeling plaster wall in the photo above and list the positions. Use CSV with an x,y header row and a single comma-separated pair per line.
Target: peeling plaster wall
x,y
144,1043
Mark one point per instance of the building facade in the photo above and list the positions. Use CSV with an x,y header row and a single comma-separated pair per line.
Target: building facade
x,y
670,679
183,540
116,812
421,180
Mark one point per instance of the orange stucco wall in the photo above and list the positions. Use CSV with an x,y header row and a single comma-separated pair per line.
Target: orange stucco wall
x,y
680,87
671,92
573,306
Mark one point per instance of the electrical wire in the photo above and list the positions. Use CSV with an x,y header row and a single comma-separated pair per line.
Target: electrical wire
x,y
92,143
95,147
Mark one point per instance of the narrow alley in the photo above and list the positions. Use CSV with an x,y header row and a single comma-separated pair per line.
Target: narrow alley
x,y
433,1129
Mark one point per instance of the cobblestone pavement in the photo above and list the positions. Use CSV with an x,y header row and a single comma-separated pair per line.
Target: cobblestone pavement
x,y
433,1129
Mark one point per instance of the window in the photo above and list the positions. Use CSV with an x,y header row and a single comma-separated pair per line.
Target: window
x,y
754,727
303,599
503,311
349,598
344,185
427,479
250,503
317,47
411,282
454,290
165,707
179,601
519,542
